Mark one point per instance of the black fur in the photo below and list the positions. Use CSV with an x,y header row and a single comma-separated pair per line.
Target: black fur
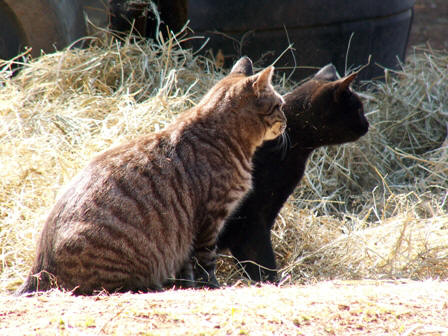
x,y
322,111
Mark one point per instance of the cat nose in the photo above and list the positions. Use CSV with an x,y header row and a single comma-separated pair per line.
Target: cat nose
x,y
282,104
282,122
283,128
282,113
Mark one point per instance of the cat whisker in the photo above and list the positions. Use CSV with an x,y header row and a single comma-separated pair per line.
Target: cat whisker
x,y
284,143
287,144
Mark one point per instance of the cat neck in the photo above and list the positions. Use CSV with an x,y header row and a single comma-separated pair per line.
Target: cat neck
x,y
219,124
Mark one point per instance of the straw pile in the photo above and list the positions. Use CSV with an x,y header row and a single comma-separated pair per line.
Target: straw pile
x,y
376,208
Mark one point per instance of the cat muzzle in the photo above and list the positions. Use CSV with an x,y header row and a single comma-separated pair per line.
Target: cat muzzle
x,y
276,130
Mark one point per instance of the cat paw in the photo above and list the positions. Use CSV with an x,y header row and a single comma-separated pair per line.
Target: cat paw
x,y
209,282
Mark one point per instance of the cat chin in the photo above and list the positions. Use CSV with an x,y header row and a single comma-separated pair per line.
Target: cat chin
x,y
275,131
365,129
360,131
352,137
272,135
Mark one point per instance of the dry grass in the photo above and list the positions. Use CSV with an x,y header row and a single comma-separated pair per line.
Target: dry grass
x,y
373,209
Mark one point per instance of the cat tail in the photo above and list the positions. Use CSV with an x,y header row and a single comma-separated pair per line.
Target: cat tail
x,y
37,282
39,279
29,286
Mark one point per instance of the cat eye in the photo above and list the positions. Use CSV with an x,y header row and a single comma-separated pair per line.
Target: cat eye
x,y
274,108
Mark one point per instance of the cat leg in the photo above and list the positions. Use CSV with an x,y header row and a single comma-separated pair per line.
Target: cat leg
x,y
250,243
204,267
258,263
185,277
193,274
204,252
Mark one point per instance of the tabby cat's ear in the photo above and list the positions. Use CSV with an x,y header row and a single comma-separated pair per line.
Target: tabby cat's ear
x,y
263,80
343,84
244,66
327,73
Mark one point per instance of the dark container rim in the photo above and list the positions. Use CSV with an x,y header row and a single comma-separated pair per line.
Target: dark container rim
x,y
244,15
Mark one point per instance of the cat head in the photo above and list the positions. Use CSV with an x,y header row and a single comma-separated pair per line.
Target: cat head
x,y
325,110
252,100
267,103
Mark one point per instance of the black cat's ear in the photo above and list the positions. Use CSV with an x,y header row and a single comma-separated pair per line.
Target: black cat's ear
x,y
263,80
343,84
243,66
327,73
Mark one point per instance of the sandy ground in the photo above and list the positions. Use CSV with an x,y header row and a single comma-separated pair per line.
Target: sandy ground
x,y
325,308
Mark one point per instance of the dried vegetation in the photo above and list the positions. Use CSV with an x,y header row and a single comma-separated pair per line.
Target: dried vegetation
x,y
376,208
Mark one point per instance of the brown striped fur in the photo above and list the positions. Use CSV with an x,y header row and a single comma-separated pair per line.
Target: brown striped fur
x,y
134,216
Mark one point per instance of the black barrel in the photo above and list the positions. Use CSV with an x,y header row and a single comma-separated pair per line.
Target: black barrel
x,y
320,31
45,25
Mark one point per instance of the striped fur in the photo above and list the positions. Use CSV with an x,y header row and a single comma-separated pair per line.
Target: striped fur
x,y
137,213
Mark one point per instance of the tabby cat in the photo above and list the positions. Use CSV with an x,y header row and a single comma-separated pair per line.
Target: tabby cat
x,y
133,217
322,111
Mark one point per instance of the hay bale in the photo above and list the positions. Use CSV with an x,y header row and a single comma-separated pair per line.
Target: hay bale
x,y
64,108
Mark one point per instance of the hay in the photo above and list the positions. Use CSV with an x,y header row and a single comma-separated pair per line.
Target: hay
x,y
375,208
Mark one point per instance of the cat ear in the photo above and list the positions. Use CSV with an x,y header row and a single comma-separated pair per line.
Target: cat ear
x,y
244,66
263,80
343,84
327,73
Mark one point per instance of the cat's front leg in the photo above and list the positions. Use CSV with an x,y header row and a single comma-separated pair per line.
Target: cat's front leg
x,y
247,234
204,251
195,273
204,266
185,277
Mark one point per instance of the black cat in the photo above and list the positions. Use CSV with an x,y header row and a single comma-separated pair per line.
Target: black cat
x,y
322,111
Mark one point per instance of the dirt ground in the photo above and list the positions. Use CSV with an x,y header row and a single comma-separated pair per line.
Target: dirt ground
x,y
430,26
326,308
